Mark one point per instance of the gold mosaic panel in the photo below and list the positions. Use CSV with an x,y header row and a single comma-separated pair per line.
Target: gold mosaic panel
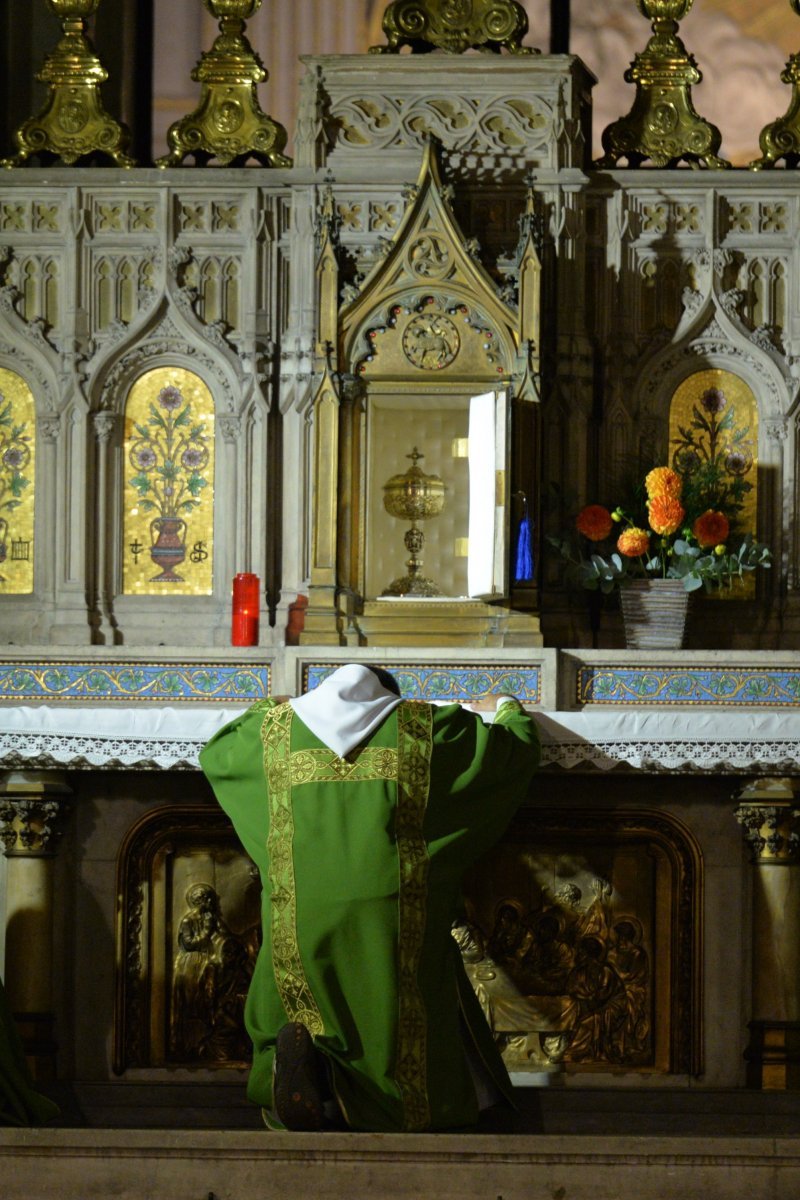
x,y
168,524
713,431
17,471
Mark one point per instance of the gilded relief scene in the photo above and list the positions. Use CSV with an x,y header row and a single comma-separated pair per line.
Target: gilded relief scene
x,y
570,952
213,939
190,929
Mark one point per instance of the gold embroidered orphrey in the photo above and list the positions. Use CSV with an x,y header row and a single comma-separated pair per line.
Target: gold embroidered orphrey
x,y
411,765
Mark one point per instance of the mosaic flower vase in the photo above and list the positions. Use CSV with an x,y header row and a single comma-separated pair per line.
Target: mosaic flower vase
x,y
168,535
654,613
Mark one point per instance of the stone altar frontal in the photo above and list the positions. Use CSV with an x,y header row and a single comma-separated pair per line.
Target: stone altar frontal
x,y
635,785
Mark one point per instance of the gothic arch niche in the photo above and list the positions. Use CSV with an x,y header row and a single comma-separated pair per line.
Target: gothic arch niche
x,y
420,362
713,440
188,931
414,405
17,483
168,485
582,936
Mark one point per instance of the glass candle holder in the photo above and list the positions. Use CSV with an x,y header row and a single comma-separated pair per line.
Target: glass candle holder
x,y
245,610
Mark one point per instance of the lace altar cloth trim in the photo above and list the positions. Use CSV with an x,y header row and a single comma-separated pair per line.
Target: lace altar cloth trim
x,y
171,739
109,739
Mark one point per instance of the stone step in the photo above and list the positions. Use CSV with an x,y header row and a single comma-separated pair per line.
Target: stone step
x,y
96,1164
123,1104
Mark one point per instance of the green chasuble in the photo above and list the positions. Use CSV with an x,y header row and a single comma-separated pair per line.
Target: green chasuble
x,y
361,860
20,1103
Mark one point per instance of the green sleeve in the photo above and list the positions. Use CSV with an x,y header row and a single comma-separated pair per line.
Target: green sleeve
x,y
233,763
480,773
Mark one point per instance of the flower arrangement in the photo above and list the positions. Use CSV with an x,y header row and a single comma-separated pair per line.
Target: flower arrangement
x,y
169,457
15,453
680,534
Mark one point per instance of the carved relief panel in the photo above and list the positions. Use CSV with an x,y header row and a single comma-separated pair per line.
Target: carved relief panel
x,y
188,932
581,935
582,939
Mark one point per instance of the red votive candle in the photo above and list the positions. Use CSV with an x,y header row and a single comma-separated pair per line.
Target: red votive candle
x,y
244,615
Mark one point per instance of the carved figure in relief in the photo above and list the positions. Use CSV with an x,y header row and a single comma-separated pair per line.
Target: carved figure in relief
x,y
630,961
431,342
561,983
210,976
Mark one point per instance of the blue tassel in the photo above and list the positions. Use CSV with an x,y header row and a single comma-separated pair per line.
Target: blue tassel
x,y
523,563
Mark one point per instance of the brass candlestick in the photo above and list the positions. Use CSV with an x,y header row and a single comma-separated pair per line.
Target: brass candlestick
x,y
73,122
662,125
413,497
781,139
228,124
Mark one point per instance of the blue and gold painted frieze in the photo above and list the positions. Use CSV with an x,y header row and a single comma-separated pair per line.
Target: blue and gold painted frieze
x,y
444,684
737,687
128,682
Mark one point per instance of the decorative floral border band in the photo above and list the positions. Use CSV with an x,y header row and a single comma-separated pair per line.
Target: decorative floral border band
x,y
455,684
710,686
56,681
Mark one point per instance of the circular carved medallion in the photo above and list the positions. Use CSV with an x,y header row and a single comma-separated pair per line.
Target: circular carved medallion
x,y
431,342
229,116
73,115
429,257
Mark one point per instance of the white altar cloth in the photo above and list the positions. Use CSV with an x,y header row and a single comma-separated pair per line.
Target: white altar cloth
x,y
170,738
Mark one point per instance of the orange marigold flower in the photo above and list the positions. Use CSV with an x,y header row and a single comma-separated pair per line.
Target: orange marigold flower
x,y
662,481
711,528
665,514
594,522
633,542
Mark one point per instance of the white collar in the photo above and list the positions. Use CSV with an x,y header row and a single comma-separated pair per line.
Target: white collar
x,y
346,708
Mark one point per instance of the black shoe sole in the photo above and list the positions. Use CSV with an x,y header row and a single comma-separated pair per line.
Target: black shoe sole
x,y
296,1092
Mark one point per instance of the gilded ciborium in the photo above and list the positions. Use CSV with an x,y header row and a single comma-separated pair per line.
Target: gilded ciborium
x,y
73,123
228,123
413,497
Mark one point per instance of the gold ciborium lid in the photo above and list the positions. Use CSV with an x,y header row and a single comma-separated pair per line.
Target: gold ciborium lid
x,y
664,10
73,8
414,496
240,10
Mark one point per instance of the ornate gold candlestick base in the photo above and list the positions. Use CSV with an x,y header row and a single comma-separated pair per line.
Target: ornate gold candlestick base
x,y
228,124
73,122
663,124
781,138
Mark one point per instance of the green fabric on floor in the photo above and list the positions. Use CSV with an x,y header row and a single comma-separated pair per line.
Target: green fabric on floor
x,y
20,1103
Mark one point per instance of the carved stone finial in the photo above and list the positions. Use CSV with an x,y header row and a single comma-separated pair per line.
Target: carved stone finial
x,y
455,26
